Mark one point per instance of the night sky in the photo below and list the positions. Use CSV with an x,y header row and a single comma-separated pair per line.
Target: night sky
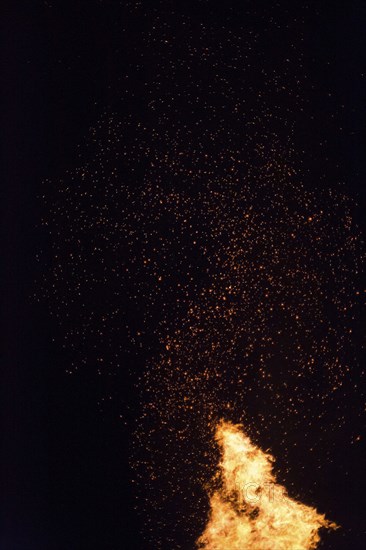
x,y
183,226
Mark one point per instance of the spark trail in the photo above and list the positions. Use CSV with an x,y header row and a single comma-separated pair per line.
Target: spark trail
x,y
209,259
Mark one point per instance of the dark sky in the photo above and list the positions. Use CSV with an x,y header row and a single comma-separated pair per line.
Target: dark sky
x,y
66,477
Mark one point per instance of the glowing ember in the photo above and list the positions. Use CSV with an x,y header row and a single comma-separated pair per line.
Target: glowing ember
x,y
250,510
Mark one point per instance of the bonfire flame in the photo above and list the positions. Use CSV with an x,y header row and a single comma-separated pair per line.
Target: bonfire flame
x,y
251,511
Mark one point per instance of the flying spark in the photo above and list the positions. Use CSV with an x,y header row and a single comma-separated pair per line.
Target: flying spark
x,y
203,257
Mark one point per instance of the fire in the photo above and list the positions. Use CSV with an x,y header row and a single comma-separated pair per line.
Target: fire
x,y
250,511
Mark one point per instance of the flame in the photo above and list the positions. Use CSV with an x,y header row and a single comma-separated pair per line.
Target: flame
x,y
250,511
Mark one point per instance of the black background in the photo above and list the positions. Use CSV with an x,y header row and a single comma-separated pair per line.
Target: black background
x,y
64,466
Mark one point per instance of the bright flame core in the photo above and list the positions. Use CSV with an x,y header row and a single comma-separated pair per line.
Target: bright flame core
x,y
251,511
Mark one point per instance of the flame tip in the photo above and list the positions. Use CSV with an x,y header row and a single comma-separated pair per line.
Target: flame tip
x,y
250,510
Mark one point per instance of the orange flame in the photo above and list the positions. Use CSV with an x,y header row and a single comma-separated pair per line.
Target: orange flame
x,y
250,511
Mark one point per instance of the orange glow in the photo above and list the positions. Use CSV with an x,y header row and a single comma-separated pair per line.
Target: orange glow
x,y
249,510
